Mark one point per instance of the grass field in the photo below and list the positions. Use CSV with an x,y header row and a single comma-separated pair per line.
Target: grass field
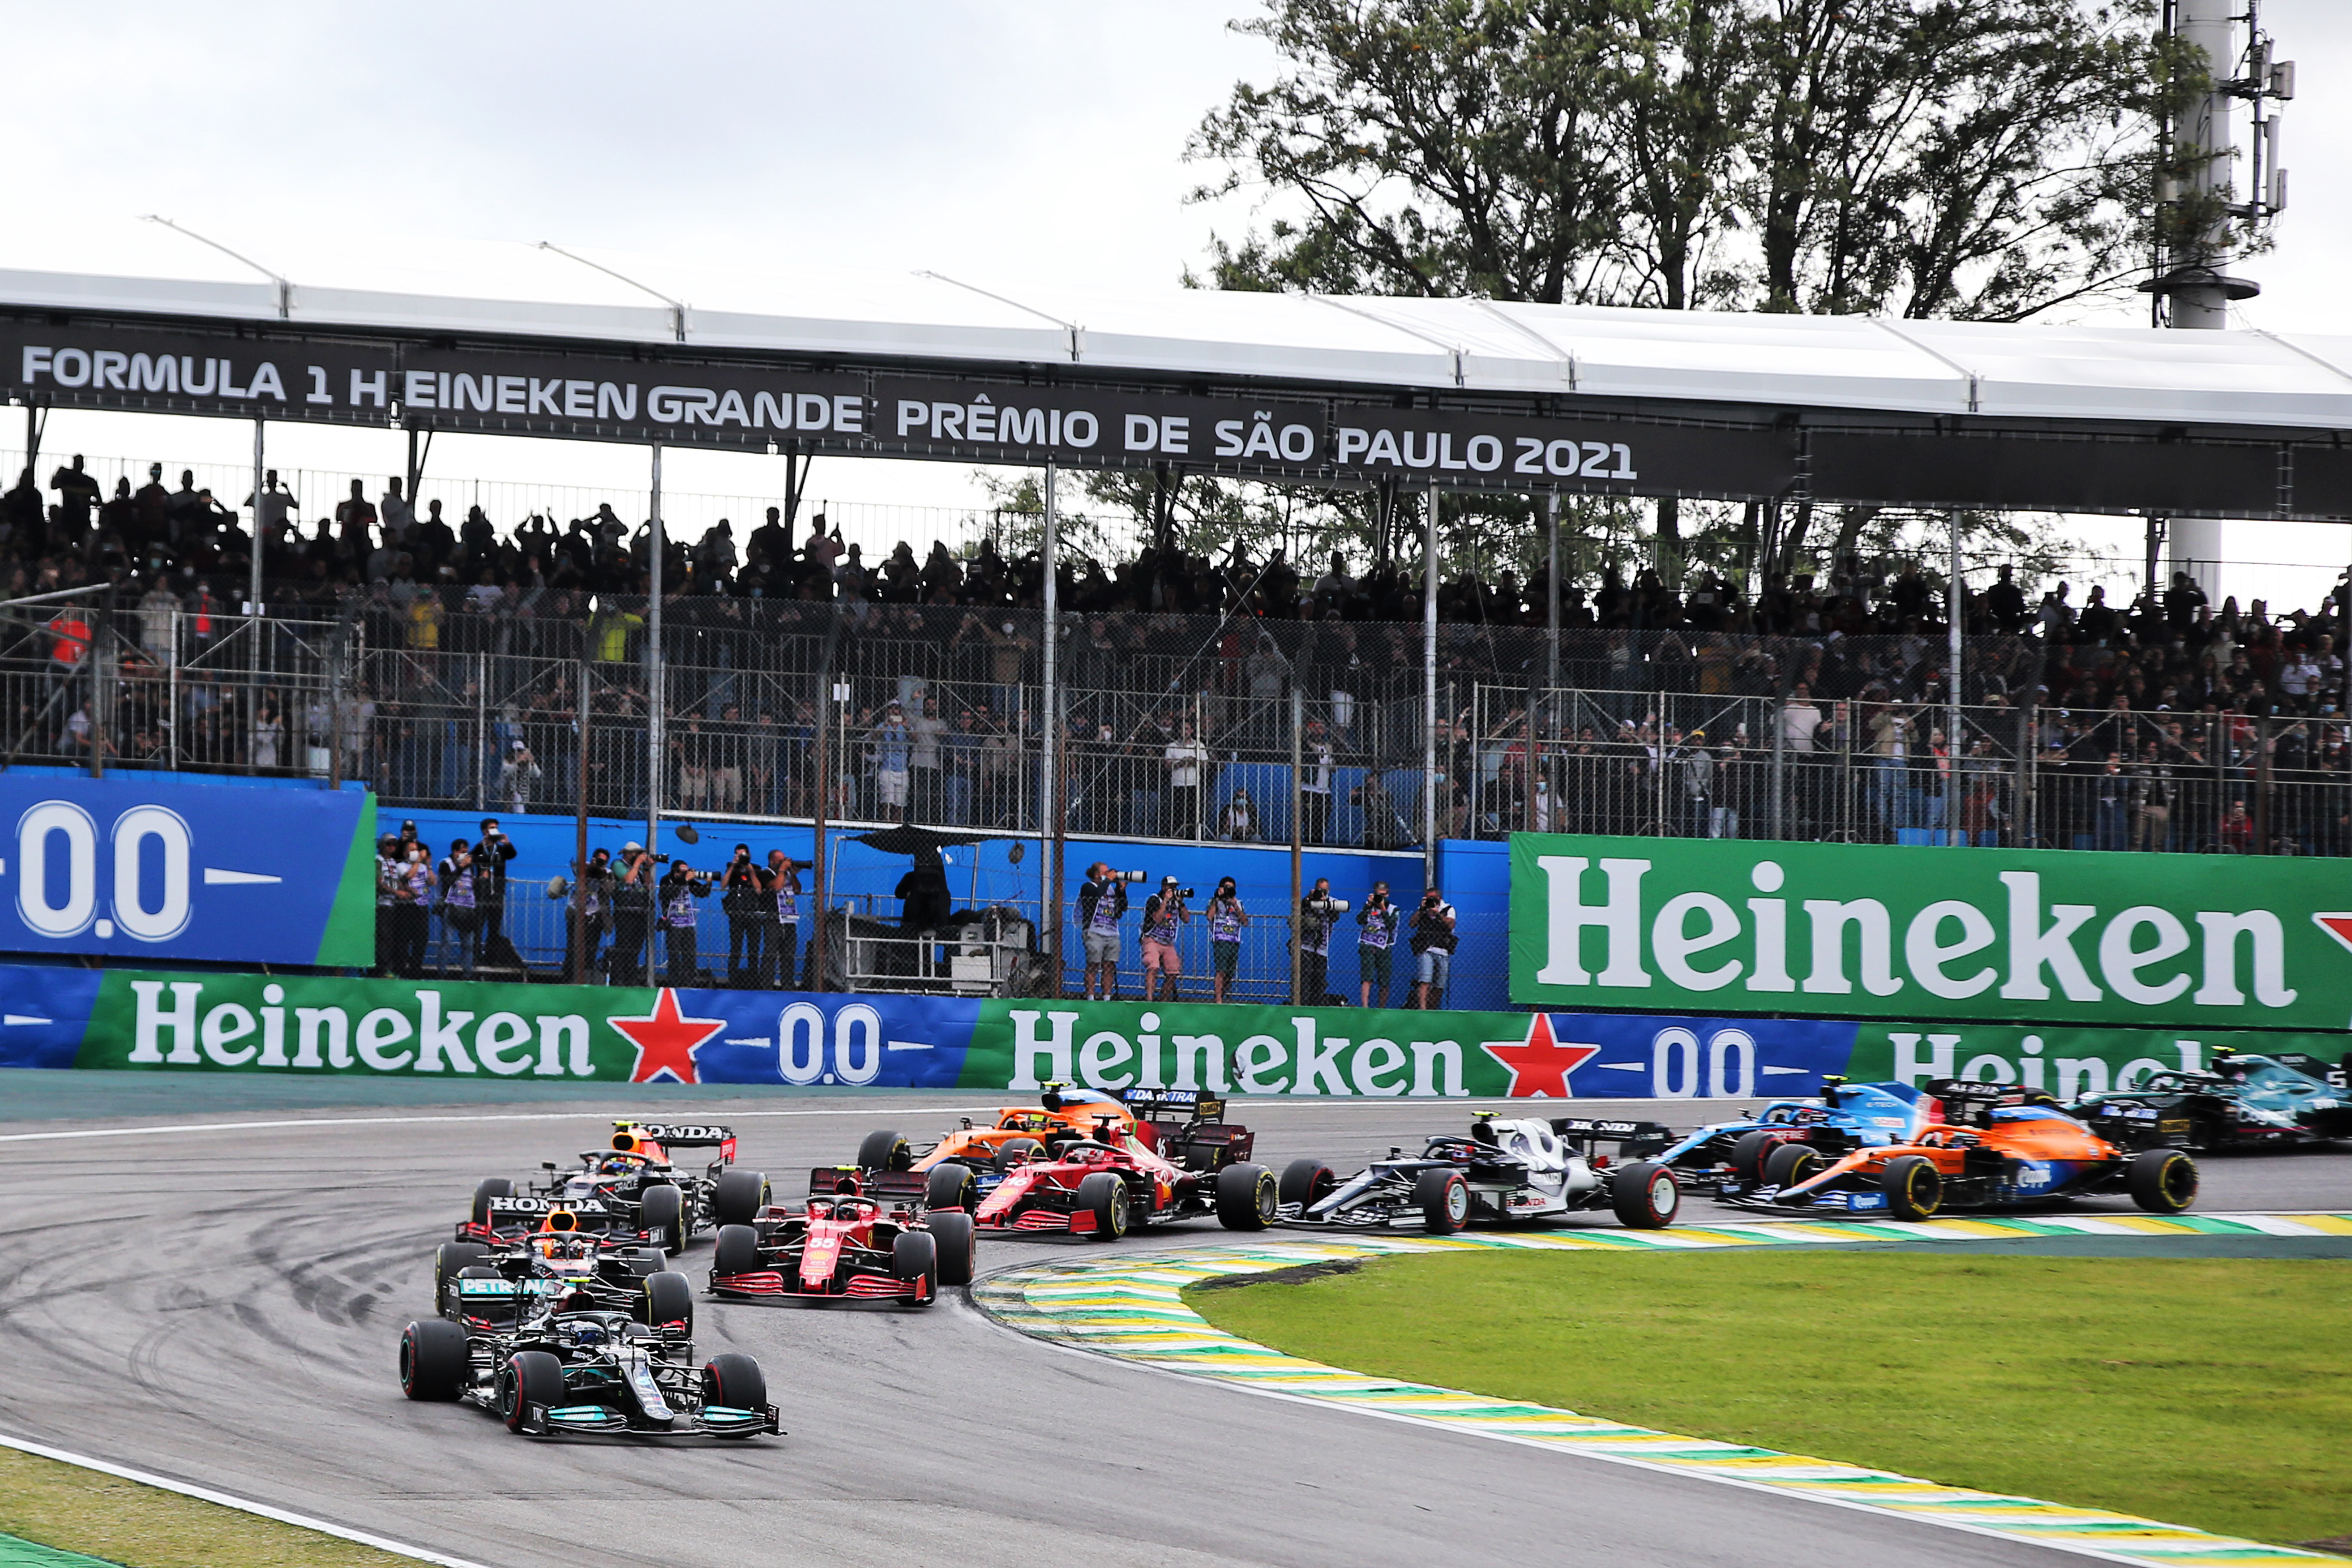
x,y
2212,1393
122,1521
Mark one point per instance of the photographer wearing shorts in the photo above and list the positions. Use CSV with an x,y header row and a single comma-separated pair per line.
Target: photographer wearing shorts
x,y
1162,913
1102,904
1317,910
1376,945
1225,916
1432,945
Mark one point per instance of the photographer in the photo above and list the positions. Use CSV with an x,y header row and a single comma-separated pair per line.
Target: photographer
x,y
461,913
491,858
1162,913
595,912
1316,912
633,916
1225,916
742,894
391,871
681,888
1376,945
1432,945
783,882
412,913
1102,904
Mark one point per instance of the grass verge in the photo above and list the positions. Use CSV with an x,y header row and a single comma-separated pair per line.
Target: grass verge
x,y
122,1521
2210,1393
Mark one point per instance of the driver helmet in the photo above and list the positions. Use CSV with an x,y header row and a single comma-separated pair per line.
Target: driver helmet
x,y
615,1166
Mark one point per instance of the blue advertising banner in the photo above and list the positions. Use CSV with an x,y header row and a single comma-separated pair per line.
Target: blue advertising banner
x,y
157,869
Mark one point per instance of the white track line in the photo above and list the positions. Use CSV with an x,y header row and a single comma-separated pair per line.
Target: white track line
x,y
863,1107
867,1110
243,1505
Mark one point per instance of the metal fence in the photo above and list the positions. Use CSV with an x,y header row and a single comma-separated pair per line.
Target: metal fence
x,y
1688,764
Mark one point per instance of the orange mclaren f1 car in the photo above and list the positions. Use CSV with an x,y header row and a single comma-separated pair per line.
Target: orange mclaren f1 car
x,y
1019,1133
1995,1146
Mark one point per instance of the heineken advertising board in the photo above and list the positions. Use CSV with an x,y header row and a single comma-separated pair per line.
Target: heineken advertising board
x,y
1936,935
58,1017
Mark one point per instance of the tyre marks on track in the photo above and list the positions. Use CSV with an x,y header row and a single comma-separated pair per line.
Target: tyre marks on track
x,y
1129,1308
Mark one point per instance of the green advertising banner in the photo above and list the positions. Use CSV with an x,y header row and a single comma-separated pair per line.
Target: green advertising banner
x,y
2069,1063
2197,941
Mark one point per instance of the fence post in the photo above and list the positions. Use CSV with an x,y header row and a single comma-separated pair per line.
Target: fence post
x,y
656,697
172,697
481,731
1298,836
1956,602
101,659
580,831
1428,695
824,790
2263,802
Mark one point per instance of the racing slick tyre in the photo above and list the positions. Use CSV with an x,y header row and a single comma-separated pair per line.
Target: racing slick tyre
x,y
529,1378
1018,1151
1644,1194
948,1186
737,1196
448,1259
1749,1155
661,1212
915,1256
1247,1195
734,1379
885,1152
646,1260
431,1359
1790,1163
2163,1180
668,1299
1104,1195
492,1187
958,1244
1914,1187
736,1250
1306,1182
1444,1200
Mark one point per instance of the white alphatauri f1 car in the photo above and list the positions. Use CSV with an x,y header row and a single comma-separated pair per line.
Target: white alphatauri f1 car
x,y
1506,1170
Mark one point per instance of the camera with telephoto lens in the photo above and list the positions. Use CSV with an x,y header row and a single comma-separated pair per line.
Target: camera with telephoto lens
x,y
1183,893
1128,876
1328,906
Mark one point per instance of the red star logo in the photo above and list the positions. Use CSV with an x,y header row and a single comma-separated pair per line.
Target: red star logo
x,y
1540,1064
2337,926
666,1041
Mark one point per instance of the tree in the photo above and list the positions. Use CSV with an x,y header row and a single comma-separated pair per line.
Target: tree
x,y
1987,160
1980,159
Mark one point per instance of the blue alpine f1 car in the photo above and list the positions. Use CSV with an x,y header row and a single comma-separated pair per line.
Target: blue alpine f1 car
x,y
1736,1157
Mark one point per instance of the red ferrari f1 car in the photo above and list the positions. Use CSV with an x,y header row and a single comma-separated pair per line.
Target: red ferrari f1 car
x,y
1117,1181
843,1245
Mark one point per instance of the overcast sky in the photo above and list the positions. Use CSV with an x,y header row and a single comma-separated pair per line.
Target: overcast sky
x,y
723,151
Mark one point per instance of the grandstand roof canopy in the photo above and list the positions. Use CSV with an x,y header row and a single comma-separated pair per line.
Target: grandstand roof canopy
x,y
1455,392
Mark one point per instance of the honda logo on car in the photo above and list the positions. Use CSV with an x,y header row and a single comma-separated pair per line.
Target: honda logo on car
x,y
1850,930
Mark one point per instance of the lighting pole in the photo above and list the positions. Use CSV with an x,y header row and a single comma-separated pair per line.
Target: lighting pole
x,y
653,737
2198,199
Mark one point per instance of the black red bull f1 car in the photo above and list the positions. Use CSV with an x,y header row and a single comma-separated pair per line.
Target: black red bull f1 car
x,y
632,1190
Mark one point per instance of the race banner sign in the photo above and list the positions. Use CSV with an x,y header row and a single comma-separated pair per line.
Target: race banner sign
x,y
658,396
214,1021
152,869
2193,941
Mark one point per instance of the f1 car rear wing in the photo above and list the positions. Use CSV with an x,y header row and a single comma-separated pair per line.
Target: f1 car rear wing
x,y
885,1187
1634,1140
627,1136
1967,1103
1174,1105
524,1213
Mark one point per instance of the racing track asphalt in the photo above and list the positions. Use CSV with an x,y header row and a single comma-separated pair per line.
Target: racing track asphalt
x,y
222,1306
